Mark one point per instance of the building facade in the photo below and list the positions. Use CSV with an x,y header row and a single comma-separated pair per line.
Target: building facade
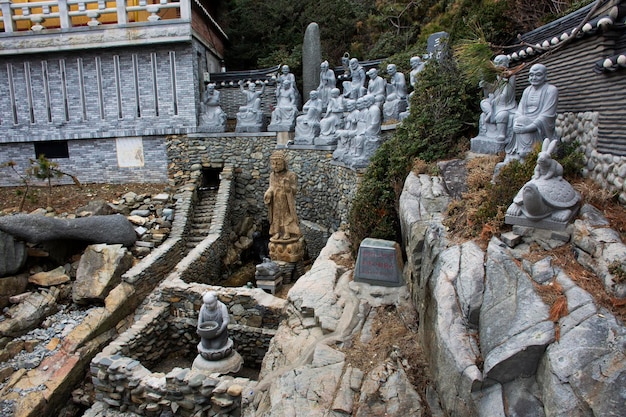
x,y
97,85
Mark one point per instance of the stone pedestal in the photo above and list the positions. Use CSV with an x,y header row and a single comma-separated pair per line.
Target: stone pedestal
x,y
268,276
288,250
282,138
487,145
230,364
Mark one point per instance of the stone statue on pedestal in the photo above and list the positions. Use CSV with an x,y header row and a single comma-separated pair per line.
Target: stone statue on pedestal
x,y
308,124
250,116
547,201
396,99
284,115
346,135
332,120
216,353
327,83
536,114
212,117
354,88
495,126
286,242
376,86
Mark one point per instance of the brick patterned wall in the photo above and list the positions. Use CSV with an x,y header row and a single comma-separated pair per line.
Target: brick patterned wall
x,y
82,95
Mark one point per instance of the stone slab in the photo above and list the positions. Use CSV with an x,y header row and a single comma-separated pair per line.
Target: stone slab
x,y
485,145
379,262
540,224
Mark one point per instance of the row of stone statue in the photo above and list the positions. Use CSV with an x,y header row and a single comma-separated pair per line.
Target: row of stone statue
x,y
350,121
390,95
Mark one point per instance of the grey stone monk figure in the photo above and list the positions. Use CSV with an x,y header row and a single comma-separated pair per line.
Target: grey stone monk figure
x,y
500,101
536,114
212,114
280,199
213,322
327,83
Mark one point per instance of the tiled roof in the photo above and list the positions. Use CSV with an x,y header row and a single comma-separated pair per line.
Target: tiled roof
x,y
609,16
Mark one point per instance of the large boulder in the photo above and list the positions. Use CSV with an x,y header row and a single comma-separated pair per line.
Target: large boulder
x,y
95,229
100,269
12,254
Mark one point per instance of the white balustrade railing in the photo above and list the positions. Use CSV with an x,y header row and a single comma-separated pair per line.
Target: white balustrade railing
x,y
66,14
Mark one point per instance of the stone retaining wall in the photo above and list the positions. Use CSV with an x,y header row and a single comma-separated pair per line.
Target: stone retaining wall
x,y
204,262
325,189
606,170
165,325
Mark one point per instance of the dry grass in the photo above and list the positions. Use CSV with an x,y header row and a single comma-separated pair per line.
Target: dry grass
x,y
391,337
552,294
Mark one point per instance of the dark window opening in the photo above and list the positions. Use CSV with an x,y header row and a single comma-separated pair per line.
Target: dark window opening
x,y
211,178
51,150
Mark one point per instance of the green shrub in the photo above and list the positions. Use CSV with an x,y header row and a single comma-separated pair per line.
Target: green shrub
x,y
435,129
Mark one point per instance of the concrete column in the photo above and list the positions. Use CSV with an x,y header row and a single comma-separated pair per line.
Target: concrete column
x,y
64,16
122,17
7,16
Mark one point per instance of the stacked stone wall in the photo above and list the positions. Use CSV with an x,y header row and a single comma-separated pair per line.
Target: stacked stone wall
x,y
325,189
165,325
204,263
606,170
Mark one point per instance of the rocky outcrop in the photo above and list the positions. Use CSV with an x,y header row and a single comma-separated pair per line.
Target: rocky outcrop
x,y
307,372
96,229
514,360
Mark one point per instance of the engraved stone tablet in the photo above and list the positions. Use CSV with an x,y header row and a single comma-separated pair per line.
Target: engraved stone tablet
x,y
379,262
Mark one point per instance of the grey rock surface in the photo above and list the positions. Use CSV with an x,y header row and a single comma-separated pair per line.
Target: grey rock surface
x,y
30,313
514,325
96,229
12,254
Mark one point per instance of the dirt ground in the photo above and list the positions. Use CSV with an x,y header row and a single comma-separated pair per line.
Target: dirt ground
x,y
67,198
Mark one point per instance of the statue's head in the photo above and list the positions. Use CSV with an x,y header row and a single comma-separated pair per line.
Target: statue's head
x,y
391,69
210,87
350,105
354,63
415,61
361,103
314,94
210,299
285,69
252,86
286,84
369,99
324,66
501,61
372,72
538,75
278,161
334,92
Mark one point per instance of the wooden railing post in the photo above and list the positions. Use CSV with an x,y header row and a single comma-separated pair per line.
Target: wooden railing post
x,y
7,16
